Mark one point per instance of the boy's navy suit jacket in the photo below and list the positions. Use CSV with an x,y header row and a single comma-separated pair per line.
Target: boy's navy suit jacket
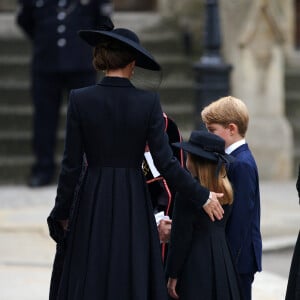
x,y
243,227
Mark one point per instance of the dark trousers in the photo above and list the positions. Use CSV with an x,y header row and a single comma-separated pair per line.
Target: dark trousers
x,y
246,281
293,286
48,90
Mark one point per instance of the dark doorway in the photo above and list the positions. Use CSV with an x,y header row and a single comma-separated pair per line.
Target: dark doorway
x,y
134,5
297,24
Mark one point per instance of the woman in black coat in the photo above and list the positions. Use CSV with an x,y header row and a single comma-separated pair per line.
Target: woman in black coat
x,y
199,263
112,247
293,286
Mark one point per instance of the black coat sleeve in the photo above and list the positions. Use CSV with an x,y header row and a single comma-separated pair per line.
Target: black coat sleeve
x,y
72,164
181,236
177,177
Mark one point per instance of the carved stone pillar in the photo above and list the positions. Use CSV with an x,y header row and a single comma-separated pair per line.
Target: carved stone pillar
x,y
253,43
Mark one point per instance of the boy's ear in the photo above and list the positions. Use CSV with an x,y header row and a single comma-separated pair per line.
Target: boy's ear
x,y
233,128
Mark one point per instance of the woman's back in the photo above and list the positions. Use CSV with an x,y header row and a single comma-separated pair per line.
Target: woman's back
x,y
113,234
114,116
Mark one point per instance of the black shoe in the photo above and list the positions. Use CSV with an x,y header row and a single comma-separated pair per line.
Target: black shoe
x,y
40,179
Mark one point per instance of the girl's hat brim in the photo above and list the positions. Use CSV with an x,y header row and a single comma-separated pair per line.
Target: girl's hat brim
x,y
186,146
125,36
206,145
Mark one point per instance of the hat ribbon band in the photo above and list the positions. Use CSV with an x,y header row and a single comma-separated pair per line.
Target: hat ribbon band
x,y
222,159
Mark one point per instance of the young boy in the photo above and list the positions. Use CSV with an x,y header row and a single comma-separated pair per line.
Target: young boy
x,y
228,118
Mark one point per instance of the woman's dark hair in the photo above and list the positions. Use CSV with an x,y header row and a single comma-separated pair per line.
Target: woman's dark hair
x,y
112,55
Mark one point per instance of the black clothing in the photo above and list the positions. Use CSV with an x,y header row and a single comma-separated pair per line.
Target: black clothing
x,y
199,256
60,61
112,248
162,196
47,91
53,25
293,286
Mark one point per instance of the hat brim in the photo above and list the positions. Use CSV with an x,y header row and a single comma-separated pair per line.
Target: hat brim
x,y
144,58
196,150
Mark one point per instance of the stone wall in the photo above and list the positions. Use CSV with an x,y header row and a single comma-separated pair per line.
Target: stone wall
x,y
254,43
8,5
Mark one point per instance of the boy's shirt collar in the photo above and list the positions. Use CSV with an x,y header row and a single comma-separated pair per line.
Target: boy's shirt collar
x,y
234,146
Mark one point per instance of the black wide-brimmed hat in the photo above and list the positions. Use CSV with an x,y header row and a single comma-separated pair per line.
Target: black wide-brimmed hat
x,y
206,145
144,59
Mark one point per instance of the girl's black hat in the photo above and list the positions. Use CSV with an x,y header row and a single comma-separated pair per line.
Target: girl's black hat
x,y
206,145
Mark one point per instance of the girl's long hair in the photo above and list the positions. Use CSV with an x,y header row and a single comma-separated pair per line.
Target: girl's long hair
x,y
206,170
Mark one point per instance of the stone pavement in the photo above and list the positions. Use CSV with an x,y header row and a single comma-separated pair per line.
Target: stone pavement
x,y
26,251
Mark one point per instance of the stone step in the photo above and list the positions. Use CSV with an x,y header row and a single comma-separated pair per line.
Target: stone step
x,y
166,43
292,103
15,46
16,169
175,90
14,92
20,117
15,137
17,68
292,76
14,68
18,143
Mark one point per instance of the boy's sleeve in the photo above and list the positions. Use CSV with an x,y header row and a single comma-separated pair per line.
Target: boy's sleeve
x,y
245,185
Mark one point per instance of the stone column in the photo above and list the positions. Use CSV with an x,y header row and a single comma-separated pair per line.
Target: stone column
x,y
253,42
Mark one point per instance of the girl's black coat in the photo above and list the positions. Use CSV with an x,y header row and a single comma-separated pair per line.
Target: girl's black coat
x,y
112,247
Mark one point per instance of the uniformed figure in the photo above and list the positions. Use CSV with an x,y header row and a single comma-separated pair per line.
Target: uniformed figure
x,y
162,195
60,61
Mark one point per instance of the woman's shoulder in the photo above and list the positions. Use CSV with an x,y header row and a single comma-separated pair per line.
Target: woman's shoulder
x,y
84,90
82,95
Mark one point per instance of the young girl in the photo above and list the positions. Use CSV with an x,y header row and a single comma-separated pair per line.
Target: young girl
x,y
199,264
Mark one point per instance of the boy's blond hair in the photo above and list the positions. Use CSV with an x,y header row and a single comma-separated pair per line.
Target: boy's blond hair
x,y
227,110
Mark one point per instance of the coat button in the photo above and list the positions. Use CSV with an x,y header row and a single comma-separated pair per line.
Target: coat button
x,y
61,42
39,3
61,15
61,28
62,3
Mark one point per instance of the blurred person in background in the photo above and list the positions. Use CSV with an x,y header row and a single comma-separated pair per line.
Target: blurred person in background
x,y
60,61
293,285
162,195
